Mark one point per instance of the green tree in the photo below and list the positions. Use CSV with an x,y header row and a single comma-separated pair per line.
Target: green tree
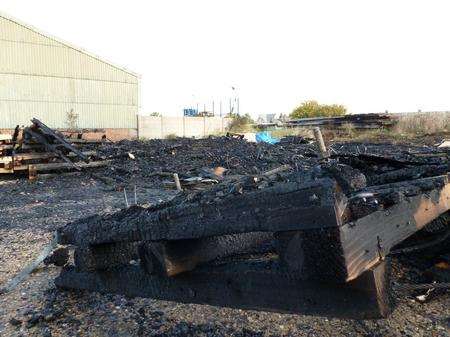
x,y
313,109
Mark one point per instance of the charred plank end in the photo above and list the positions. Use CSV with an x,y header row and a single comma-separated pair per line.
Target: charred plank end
x,y
170,258
106,256
264,287
343,253
369,240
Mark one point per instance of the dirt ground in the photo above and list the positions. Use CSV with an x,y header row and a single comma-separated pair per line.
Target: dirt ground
x,y
29,212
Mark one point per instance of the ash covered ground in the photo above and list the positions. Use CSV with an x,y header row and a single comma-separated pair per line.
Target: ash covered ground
x,y
31,211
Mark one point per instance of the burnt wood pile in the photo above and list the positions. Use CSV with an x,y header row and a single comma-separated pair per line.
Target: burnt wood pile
x,y
312,237
38,148
156,160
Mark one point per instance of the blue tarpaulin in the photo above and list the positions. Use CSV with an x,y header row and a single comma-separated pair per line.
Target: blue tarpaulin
x,y
265,137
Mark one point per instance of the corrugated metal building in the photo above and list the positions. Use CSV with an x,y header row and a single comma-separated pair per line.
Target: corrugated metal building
x,y
44,77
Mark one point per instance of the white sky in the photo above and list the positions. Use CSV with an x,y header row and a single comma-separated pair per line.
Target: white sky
x,y
368,55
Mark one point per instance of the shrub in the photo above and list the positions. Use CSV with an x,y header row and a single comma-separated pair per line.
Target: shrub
x,y
310,109
72,119
240,123
171,136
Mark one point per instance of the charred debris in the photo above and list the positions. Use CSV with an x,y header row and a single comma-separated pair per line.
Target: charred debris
x,y
37,148
279,227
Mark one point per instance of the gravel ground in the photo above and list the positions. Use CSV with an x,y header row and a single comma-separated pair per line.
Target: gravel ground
x,y
29,212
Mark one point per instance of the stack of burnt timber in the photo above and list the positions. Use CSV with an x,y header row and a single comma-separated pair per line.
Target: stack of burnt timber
x,y
38,148
310,241
358,121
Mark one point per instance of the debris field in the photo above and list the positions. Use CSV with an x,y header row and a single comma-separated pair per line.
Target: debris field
x,y
274,228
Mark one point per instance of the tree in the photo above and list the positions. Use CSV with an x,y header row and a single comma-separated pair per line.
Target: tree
x,y
71,119
313,109
240,123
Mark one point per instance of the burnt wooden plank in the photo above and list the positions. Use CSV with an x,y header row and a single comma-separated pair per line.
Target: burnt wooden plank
x,y
107,256
170,258
41,139
59,138
343,253
55,166
283,206
256,285
46,155
408,173
369,239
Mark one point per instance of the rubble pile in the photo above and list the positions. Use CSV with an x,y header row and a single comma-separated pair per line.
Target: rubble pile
x,y
153,162
283,229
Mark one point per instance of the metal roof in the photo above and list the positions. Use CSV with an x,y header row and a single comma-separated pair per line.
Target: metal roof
x,y
67,44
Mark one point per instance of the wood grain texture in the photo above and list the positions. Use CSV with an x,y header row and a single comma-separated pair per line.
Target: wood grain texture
x,y
284,206
170,258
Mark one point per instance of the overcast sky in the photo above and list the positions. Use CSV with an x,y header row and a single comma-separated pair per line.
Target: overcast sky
x,y
370,56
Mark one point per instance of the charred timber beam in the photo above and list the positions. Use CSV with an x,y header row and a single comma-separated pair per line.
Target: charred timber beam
x,y
60,139
408,173
103,257
264,287
41,139
343,253
281,207
170,258
54,166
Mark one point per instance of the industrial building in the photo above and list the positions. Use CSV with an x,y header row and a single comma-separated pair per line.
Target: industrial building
x,y
44,77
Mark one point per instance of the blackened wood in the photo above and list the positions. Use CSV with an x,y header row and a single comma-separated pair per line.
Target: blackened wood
x,y
314,254
257,285
408,173
41,139
344,253
348,178
170,258
56,166
357,121
282,206
107,256
369,239
58,138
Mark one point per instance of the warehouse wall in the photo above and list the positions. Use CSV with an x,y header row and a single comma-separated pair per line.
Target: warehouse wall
x,y
198,127
45,78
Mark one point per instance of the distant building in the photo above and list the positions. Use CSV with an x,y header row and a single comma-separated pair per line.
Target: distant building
x,y
44,77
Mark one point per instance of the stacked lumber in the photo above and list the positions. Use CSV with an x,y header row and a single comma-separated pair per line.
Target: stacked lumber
x,y
37,148
358,121
299,240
